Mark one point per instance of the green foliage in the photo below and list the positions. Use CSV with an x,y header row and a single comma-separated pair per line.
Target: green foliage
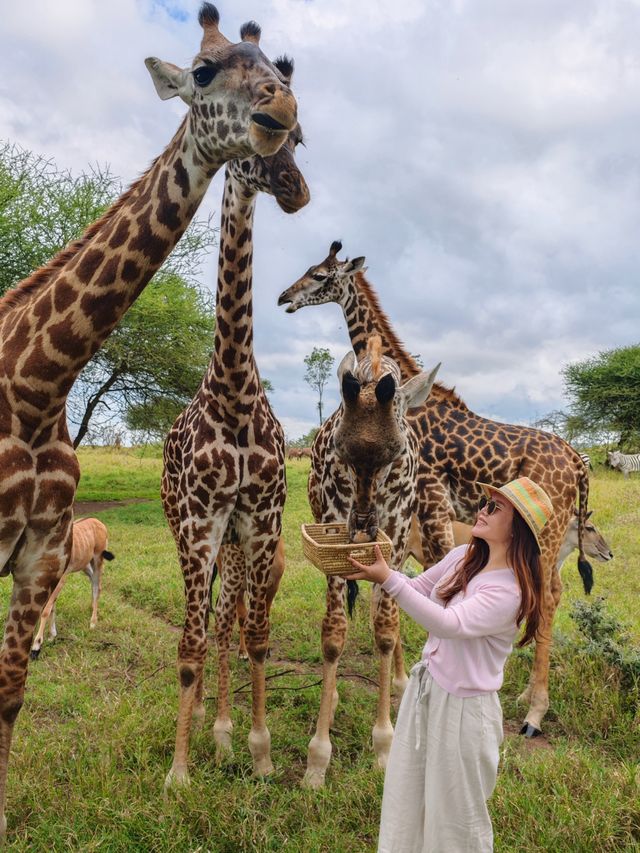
x,y
605,392
43,208
307,439
319,363
605,636
151,365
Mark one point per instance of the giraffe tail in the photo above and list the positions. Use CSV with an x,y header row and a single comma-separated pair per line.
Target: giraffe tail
x,y
108,555
584,566
352,594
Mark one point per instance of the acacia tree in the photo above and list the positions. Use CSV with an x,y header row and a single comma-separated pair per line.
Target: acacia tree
x,y
605,393
319,363
152,363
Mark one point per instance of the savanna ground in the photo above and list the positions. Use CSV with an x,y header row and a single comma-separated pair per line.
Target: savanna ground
x,y
95,738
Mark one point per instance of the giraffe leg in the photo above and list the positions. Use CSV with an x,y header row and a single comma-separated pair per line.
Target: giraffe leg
x,y
96,588
47,612
400,677
241,612
334,632
537,692
231,586
257,637
192,652
33,581
386,625
435,522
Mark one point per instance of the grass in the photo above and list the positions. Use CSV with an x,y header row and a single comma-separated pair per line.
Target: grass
x,y
95,738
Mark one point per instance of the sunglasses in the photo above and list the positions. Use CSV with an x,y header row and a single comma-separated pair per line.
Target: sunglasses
x,y
490,506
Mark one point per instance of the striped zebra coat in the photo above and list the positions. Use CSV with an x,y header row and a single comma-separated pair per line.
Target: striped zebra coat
x,y
624,462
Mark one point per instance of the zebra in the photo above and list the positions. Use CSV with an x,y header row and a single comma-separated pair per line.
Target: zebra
x,y
624,462
586,460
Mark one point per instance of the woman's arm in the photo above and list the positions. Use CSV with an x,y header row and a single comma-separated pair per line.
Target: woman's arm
x,y
424,583
490,610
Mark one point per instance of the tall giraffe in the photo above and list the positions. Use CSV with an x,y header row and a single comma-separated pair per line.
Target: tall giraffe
x,y
363,466
54,321
224,472
460,449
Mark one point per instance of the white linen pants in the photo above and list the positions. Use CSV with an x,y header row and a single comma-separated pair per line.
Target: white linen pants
x,y
441,771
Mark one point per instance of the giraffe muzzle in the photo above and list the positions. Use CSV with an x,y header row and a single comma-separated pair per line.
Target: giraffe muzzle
x,y
286,299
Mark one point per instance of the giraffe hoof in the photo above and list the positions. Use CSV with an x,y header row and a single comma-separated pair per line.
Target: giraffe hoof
x,y
313,779
530,731
176,779
34,654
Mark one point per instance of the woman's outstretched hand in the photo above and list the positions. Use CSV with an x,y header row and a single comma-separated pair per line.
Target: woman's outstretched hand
x,y
377,572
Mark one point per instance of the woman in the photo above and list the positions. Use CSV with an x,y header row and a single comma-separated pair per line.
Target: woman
x,y
444,757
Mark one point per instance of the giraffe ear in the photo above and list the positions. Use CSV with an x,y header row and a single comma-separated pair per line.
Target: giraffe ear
x,y
354,265
416,390
169,80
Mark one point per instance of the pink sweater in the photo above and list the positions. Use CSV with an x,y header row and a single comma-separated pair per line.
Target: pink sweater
x,y
470,639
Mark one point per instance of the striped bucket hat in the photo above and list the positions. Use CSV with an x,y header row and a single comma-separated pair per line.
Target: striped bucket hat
x,y
531,501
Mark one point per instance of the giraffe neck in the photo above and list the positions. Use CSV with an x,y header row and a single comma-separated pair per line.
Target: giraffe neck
x,y
364,317
57,319
232,377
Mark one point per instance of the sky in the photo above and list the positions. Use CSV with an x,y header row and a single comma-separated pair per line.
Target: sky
x,y
483,155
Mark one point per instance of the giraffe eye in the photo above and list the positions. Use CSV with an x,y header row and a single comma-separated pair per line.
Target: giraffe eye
x,y
204,75
318,277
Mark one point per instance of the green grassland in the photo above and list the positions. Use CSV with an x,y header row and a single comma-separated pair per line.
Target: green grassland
x,y
95,738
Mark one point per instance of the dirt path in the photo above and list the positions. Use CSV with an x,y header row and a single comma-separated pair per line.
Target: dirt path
x,y
91,507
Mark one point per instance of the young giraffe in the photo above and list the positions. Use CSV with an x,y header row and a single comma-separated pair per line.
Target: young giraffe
x,y
363,471
224,473
52,323
458,449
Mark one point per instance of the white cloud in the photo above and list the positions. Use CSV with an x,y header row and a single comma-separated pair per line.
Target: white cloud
x,y
482,156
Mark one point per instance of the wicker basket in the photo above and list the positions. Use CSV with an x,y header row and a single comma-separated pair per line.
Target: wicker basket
x,y
327,546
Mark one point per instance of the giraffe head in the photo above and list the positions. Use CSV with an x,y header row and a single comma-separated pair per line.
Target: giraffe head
x,y
328,281
372,432
278,175
239,102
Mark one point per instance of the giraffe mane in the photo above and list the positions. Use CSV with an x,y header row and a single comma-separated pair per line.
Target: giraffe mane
x,y
21,291
405,360
374,351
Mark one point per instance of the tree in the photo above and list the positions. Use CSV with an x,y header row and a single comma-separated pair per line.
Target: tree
x,y
319,363
42,209
151,365
605,392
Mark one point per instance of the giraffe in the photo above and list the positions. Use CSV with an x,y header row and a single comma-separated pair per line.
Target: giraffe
x,y
223,481
363,471
53,322
458,449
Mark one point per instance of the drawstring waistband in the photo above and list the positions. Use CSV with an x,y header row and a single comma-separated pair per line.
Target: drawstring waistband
x,y
424,688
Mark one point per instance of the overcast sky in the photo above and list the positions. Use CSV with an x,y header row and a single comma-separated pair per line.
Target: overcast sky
x,y
484,155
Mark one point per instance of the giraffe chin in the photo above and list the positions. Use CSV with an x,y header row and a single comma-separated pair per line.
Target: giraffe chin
x,y
266,141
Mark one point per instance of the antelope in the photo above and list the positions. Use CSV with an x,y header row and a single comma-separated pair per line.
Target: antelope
x,y
88,553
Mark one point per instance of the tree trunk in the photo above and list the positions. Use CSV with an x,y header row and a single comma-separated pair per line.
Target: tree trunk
x,y
91,406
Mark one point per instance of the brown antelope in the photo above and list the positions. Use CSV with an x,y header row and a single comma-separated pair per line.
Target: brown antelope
x,y
88,553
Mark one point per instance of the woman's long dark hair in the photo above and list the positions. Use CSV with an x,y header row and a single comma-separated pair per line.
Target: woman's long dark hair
x,y
524,558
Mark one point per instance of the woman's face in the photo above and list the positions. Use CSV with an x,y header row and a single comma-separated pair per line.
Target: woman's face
x,y
496,528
